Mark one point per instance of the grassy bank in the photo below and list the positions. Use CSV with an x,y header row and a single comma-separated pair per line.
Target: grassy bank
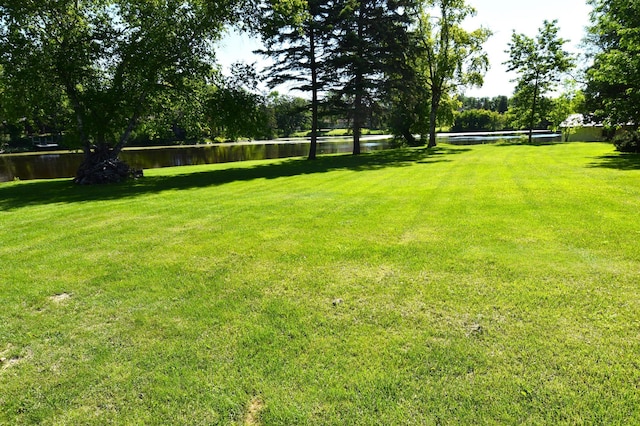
x,y
340,132
491,284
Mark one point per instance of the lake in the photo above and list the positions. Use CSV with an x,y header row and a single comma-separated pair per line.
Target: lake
x,y
63,164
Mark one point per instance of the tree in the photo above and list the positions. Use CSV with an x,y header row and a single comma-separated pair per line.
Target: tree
x,y
613,81
569,102
289,113
409,109
520,114
498,104
106,60
408,96
234,108
540,63
451,56
369,41
295,34
478,120
27,107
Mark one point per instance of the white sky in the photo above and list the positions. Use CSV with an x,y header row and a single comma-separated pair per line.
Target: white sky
x,y
500,16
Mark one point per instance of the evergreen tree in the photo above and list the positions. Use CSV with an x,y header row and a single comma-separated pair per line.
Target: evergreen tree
x,y
295,35
369,41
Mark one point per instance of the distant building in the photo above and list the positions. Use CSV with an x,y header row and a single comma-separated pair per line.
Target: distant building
x,y
576,129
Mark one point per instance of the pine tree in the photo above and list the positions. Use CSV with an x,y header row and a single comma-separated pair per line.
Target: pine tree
x,y
369,40
295,35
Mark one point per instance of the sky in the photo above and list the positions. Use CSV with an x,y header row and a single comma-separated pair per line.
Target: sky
x,y
500,16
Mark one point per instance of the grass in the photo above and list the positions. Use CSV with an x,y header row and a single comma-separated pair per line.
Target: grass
x,y
464,285
340,132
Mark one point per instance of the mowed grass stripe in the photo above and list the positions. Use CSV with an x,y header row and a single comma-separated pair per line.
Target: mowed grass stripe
x,y
463,285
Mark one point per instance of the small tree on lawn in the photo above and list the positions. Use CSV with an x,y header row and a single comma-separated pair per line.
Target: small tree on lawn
x,y
540,63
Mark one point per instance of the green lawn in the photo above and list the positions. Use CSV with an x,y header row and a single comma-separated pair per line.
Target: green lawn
x,y
495,284
340,132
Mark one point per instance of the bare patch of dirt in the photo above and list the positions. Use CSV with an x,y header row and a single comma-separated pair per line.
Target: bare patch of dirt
x,y
8,363
59,298
7,360
252,418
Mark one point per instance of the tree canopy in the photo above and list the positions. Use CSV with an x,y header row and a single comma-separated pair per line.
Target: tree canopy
x,y
104,61
539,63
613,81
452,57
109,71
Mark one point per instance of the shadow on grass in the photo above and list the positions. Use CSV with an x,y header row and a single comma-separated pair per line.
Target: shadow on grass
x,y
65,191
618,161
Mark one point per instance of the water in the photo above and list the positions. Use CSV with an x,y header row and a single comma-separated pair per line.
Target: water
x,y
64,164
494,137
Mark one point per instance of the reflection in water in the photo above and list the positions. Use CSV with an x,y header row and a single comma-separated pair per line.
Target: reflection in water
x,y
32,166
62,165
470,139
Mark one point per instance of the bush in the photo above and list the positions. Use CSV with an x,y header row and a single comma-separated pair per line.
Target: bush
x,y
627,141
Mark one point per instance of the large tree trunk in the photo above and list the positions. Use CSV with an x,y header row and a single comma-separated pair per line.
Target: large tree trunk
x,y
533,110
433,116
432,129
314,94
359,84
357,123
313,148
409,138
102,165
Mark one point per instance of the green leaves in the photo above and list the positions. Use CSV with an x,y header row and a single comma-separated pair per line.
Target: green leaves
x,y
449,56
106,59
613,81
542,60
540,63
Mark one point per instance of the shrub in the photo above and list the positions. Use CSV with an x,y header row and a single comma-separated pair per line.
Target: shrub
x,y
627,141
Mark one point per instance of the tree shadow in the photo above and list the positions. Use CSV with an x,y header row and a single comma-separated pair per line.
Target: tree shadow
x,y
619,161
41,192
